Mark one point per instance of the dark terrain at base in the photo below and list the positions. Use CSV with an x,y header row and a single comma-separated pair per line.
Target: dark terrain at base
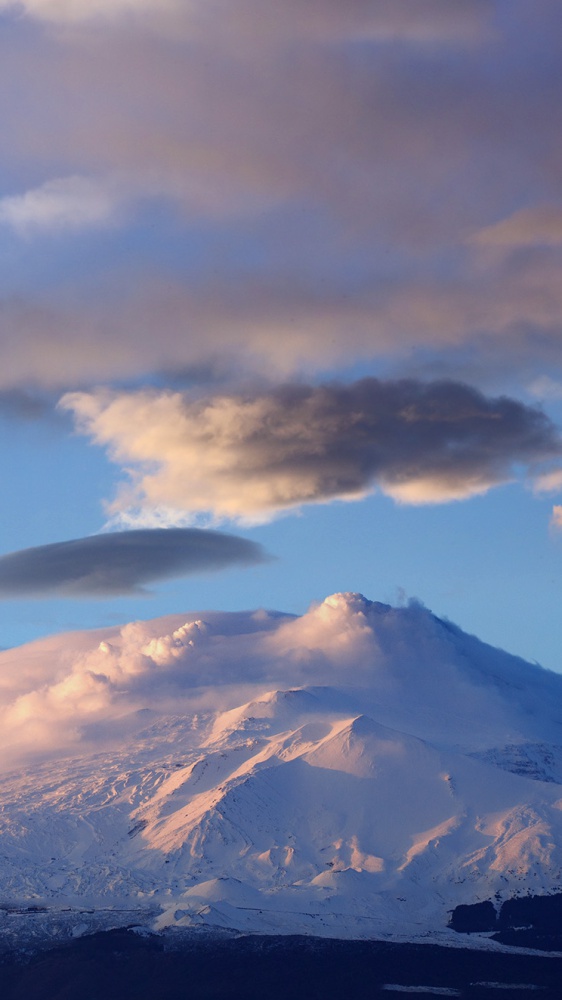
x,y
124,965
526,921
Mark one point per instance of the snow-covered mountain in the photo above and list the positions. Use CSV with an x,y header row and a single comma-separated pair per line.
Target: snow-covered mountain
x,y
356,772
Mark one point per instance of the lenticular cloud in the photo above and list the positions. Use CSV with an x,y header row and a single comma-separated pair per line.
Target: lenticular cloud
x,y
250,456
121,562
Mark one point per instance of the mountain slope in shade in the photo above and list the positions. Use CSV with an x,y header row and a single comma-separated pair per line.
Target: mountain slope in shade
x,y
357,772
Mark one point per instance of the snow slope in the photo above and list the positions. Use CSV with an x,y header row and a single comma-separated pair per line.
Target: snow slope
x,y
356,772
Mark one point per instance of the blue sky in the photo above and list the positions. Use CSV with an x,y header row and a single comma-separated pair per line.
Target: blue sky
x,y
294,273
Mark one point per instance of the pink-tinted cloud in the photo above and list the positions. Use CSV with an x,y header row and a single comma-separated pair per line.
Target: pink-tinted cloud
x,y
249,456
556,520
86,689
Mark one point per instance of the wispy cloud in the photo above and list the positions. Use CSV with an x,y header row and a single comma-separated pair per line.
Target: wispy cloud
x,y
545,387
539,225
74,11
249,456
121,562
65,203
549,482
556,520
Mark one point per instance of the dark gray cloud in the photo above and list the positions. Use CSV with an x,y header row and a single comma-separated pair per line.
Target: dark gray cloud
x,y
121,562
248,455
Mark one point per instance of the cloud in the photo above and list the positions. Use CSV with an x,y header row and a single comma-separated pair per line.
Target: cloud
x,y
91,689
153,111
556,520
249,456
289,322
545,387
422,21
296,219
77,689
548,482
121,562
64,203
539,225
22,404
300,180
74,11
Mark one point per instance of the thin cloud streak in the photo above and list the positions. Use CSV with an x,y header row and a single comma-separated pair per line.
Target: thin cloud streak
x,y
121,563
250,456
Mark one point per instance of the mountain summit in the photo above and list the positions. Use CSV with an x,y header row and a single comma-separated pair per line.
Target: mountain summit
x,y
359,771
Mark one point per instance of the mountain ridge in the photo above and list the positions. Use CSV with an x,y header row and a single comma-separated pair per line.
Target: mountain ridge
x,y
203,777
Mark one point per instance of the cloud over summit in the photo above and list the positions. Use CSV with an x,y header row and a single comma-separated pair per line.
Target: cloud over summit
x,y
75,689
249,456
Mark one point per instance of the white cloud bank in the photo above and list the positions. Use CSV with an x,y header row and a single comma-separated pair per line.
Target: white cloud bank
x,y
92,689
54,693
250,456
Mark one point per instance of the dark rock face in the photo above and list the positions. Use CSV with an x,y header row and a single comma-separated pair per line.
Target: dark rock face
x,y
478,917
543,913
527,921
